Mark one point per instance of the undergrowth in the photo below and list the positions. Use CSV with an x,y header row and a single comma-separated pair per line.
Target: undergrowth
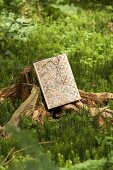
x,y
34,30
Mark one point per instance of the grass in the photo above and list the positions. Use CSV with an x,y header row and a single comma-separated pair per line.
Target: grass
x,y
85,34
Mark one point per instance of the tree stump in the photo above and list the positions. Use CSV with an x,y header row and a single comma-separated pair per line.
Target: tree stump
x,y
27,89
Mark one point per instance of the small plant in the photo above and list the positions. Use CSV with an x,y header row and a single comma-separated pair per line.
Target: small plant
x,y
34,30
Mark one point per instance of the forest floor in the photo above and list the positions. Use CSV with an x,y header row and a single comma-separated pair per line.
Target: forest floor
x,y
32,31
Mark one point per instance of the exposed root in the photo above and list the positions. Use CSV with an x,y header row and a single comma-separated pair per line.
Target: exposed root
x,y
29,92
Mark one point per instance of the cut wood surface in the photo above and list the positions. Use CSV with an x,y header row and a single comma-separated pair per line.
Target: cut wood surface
x,y
28,91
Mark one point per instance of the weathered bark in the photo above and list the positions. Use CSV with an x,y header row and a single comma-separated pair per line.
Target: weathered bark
x,y
94,99
26,108
87,98
28,79
31,107
10,92
29,92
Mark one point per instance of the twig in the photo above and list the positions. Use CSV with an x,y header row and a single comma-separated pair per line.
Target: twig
x,y
5,162
8,155
13,156
28,84
46,142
